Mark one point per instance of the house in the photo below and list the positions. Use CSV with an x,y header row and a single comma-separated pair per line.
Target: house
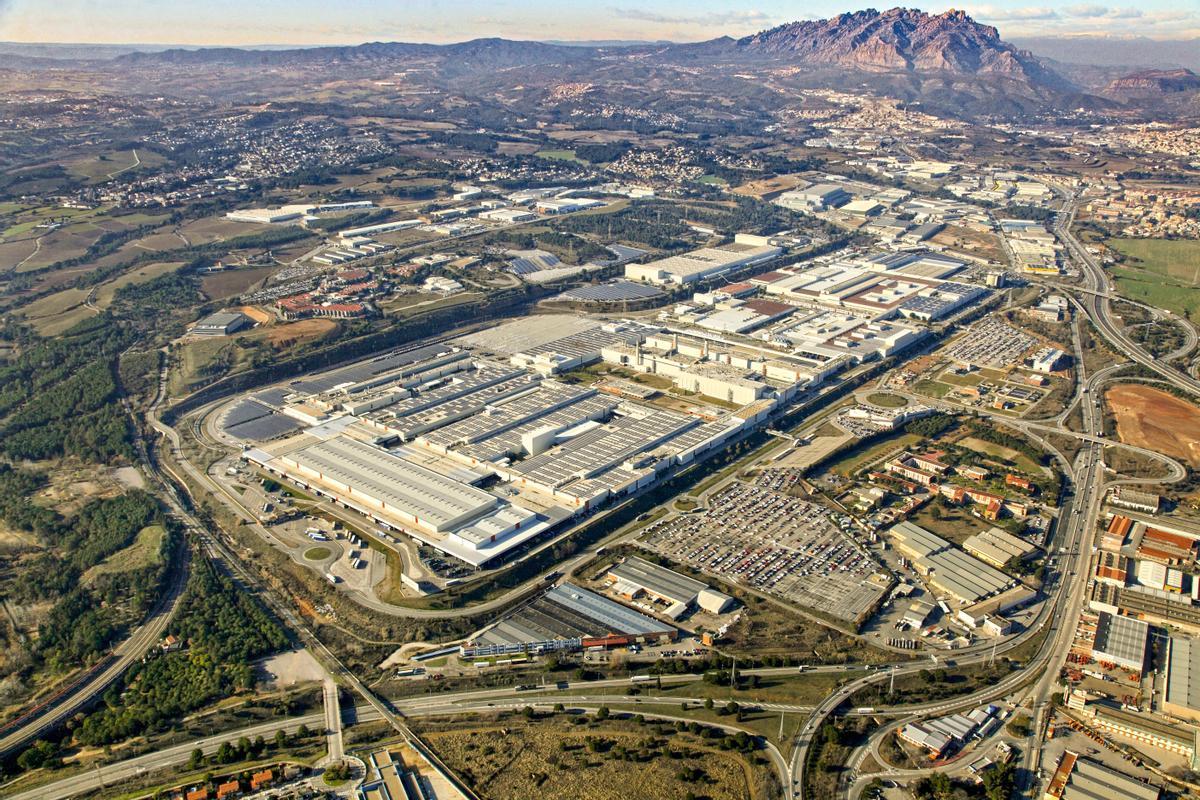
x,y
260,779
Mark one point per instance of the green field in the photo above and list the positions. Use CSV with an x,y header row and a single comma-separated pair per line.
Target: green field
x,y
1164,273
558,155
146,551
317,553
886,400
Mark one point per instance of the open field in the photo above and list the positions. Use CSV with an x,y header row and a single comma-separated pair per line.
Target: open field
x,y
766,187
971,242
857,458
146,272
1022,461
886,400
512,758
144,552
1152,418
232,282
302,331
558,155
1164,273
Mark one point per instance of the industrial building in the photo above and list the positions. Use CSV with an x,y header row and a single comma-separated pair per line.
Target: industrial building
x,y
998,547
947,570
1181,690
268,216
816,197
468,523
407,438
702,264
567,617
1114,639
635,577
882,286
1146,729
221,323
1078,778
940,736
388,778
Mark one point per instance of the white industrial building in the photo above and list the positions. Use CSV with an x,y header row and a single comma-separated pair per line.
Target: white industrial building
x,y
702,264
446,512
817,197
636,577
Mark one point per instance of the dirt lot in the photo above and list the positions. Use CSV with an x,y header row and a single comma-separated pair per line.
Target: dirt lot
x,y
615,760
1154,419
220,285
302,331
769,186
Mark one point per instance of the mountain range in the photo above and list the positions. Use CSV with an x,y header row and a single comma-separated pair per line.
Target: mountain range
x,y
948,61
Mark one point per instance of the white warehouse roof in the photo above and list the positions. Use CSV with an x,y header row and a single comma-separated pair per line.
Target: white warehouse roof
x,y
373,474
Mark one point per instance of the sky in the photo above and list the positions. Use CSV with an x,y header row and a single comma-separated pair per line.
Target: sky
x,y
312,22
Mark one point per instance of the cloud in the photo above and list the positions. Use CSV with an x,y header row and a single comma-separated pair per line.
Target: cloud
x,y
1102,12
706,20
1030,14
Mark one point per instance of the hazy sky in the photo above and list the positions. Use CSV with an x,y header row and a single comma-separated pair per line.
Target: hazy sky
x,y
354,21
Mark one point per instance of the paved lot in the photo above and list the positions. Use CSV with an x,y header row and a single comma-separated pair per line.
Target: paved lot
x,y
774,543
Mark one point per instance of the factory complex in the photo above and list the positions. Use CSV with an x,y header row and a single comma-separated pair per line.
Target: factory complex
x,y
478,445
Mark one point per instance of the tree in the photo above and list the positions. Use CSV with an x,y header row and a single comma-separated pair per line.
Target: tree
x,y
281,739
197,759
708,704
602,713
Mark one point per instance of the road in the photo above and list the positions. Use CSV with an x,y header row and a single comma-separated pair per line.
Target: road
x,y
1097,304
1037,678
48,715
79,695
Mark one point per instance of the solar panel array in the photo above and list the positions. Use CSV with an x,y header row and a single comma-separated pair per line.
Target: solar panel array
x,y
260,430
363,370
611,293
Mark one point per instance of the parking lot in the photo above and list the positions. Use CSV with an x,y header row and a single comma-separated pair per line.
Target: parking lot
x,y
785,546
991,343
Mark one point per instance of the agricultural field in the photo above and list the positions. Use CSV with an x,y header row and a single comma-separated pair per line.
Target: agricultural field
x,y
511,758
1151,418
1164,273
55,313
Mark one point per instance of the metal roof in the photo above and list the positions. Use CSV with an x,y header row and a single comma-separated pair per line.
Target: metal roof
x,y
396,482
658,580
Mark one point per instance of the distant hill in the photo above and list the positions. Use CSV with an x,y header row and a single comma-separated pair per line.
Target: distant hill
x,y
900,39
949,62
1105,51
1153,83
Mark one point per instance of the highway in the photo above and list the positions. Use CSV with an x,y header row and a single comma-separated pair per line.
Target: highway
x,y
1035,680
1097,303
